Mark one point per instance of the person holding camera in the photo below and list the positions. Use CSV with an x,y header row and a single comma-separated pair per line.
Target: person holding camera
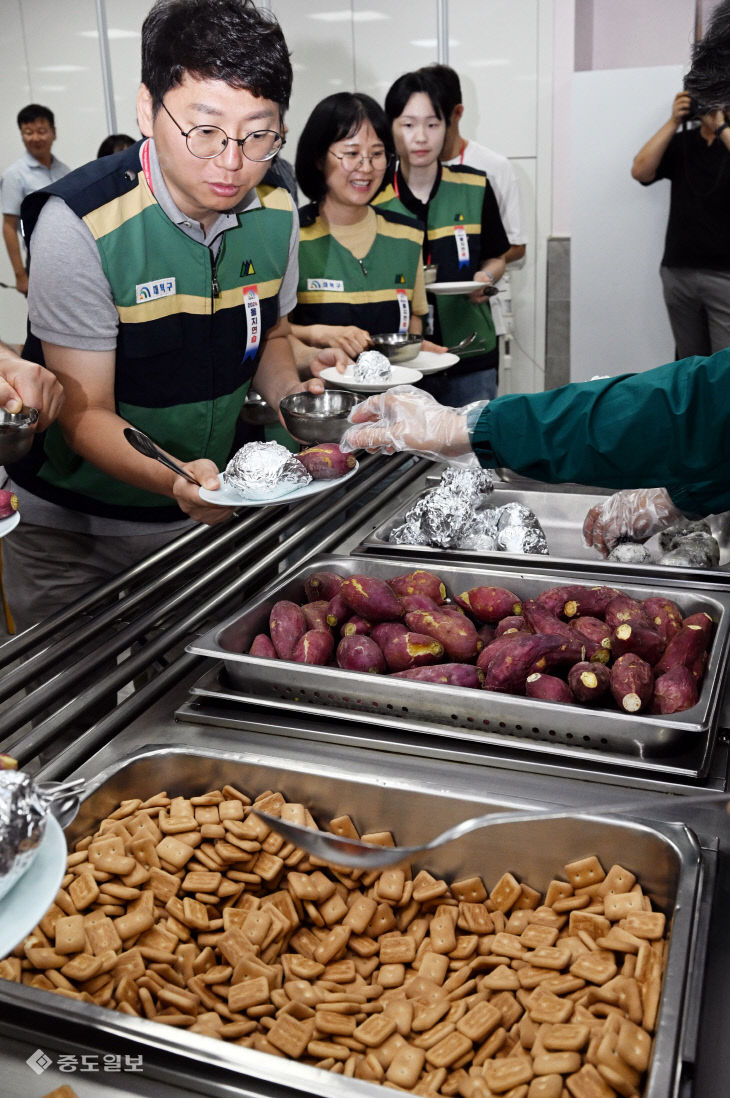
x,y
695,267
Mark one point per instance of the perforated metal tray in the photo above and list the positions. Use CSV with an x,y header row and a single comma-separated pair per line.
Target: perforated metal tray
x,y
455,708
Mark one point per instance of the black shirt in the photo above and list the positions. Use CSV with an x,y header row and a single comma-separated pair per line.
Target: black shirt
x,y
698,229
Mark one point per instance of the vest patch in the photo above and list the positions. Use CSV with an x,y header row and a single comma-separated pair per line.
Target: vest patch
x,y
400,280
458,217
148,291
335,284
247,268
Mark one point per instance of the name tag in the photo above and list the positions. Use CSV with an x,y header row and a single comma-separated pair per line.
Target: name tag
x,y
148,291
405,310
462,245
253,320
334,284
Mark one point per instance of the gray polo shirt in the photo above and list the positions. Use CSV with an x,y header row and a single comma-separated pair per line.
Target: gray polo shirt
x,y
70,304
25,176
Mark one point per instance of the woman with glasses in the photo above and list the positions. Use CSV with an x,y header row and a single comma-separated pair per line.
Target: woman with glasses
x,y
465,237
360,270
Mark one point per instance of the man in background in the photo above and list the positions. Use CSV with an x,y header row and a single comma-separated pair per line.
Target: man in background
x,y
497,168
36,169
695,266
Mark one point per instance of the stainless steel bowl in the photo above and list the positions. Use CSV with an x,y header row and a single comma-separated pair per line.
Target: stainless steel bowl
x,y
397,346
16,434
318,417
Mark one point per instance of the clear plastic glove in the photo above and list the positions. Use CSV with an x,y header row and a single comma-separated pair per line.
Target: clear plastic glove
x,y
635,514
407,418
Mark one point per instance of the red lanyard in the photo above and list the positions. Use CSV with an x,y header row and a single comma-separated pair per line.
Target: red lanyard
x,y
146,168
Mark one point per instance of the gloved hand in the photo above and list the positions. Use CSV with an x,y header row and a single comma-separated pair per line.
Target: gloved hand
x,y
635,514
407,418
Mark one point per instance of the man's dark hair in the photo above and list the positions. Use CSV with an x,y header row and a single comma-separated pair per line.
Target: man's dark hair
x,y
337,116
228,40
708,81
114,143
410,83
32,112
446,81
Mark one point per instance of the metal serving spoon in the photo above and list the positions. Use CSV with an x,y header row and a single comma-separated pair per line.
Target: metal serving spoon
x,y
462,345
144,445
356,854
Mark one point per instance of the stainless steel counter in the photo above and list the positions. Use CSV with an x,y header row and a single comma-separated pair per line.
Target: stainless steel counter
x,y
170,600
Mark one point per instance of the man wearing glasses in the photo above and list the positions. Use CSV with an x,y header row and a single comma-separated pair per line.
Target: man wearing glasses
x,y
160,283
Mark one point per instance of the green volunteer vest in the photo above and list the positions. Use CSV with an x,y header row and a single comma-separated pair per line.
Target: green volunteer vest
x,y
336,288
182,367
457,203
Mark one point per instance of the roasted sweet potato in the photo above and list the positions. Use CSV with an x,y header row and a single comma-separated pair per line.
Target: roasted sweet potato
x,y
685,648
625,609
486,633
637,638
675,691
262,646
704,622
568,651
359,653
456,632
632,683
571,600
315,614
418,602
404,650
518,652
588,681
664,616
356,624
542,620
8,503
548,688
322,585
326,461
490,604
371,598
450,674
419,582
513,623
384,630
286,625
338,611
596,636
315,646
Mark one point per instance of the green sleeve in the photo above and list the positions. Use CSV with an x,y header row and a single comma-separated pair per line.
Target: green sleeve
x,y
668,427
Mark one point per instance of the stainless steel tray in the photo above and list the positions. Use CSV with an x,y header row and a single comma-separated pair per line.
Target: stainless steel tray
x,y
456,708
561,510
666,858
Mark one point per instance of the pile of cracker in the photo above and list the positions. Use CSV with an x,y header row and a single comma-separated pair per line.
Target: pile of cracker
x,y
190,912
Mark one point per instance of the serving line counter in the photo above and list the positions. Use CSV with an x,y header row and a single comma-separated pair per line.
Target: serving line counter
x,y
191,727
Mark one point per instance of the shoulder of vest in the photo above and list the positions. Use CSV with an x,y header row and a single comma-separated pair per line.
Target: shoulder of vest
x,y
407,225
462,173
275,198
88,187
386,195
308,214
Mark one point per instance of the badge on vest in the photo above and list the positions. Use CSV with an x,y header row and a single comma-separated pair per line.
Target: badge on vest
x,y
462,245
253,320
334,284
148,291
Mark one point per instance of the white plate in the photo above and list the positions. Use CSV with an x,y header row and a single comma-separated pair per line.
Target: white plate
x,y
430,362
399,375
461,288
29,899
231,497
9,523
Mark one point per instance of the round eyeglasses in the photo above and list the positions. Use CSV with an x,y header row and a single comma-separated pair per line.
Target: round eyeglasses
x,y
356,160
207,142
